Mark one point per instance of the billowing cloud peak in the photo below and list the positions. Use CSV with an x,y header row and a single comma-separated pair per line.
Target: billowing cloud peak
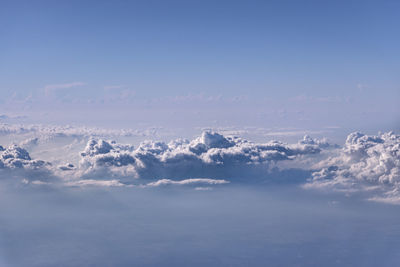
x,y
95,147
17,157
214,140
211,155
364,161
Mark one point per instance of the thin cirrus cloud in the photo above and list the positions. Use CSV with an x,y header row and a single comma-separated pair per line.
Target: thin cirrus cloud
x,y
191,181
159,183
41,131
49,89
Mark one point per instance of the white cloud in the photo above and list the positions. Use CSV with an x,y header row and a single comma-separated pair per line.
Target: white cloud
x,y
101,183
51,87
367,164
292,133
64,85
210,155
202,188
364,161
16,164
49,131
191,181
15,157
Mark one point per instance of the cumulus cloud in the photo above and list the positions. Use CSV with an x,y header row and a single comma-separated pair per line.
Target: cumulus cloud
x,y
363,163
16,163
210,155
369,164
15,157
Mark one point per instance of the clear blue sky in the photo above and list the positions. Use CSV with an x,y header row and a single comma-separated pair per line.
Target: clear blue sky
x,y
304,57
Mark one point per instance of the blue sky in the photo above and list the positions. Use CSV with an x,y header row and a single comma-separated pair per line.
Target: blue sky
x,y
336,58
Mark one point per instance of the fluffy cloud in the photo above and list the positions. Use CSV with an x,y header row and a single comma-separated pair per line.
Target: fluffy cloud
x,y
364,163
210,155
15,157
16,163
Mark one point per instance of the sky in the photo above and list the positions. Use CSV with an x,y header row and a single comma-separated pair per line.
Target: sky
x,y
309,64
193,133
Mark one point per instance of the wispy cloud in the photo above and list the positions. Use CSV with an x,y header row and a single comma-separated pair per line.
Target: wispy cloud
x,y
102,183
51,87
318,99
362,87
190,181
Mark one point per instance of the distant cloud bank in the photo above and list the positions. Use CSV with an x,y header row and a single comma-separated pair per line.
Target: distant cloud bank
x,y
364,164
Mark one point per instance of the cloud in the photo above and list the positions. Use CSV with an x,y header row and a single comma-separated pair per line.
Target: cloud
x,y
292,133
7,117
101,183
210,155
363,163
366,164
320,99
159,183
16,164
204,181
50,131
29,142
51,87
67,167
15,157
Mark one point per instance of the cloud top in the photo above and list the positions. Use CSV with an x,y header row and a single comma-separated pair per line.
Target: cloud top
x,y
210,155
15,157
363,162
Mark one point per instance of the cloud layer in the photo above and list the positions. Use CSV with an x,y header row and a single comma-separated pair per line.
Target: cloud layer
x,y
73,131
364,164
